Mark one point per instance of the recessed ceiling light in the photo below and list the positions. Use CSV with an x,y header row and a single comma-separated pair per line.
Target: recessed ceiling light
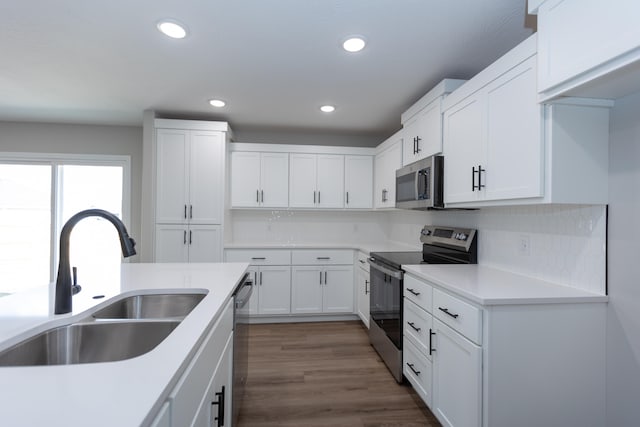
x,y
172,28
354,44
218,103
327,108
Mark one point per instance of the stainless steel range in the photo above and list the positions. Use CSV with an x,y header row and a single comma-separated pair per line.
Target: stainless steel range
x,y
440,245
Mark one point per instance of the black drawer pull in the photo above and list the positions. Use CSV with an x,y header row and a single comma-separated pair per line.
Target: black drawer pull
x,y
413,291
258,258
446,311
413,325
323,257
431,349
410,365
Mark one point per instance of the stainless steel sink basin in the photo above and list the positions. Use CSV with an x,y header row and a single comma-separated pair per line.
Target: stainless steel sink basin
x,y
88,343
154,306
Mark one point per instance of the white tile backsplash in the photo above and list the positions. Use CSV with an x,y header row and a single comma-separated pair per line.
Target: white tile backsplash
x,y
567,242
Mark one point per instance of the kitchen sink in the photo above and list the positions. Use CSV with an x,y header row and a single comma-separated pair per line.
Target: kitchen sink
x,y
88,343
152,306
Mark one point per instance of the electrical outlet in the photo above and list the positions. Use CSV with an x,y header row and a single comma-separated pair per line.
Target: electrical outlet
x,y
524,245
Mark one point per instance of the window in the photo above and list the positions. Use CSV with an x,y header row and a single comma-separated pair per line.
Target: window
x,y
38,194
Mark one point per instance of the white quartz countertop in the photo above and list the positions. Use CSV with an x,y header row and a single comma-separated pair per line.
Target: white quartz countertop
x,y
122,393
364,247
490,286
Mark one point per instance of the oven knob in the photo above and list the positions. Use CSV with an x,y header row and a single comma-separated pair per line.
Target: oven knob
x,y
461,236
426,232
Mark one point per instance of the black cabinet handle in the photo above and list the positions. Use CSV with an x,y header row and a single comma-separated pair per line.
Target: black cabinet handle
x,y
257,196
323,257
347,197
366,287
258,258
413,325
190,211
190,236
325,277
261,278
446,311
384,195
184,239
185,211
321,277
413,291
318,196
220,403
431,349
314,197
473,178
410,365
261,196
418,144
480,170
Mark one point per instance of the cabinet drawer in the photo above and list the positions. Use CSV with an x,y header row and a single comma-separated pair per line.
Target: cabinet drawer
x,y
362,261
417,326
259,256
187,395
418,370
322,256
418,292
459,315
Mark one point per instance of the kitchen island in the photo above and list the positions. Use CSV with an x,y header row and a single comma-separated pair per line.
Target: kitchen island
x,y
124,393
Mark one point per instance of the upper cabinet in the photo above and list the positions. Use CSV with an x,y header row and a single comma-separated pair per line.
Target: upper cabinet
x,y
190,176
316,181
422,123
387,161
259,179
587,48
502,147
358,182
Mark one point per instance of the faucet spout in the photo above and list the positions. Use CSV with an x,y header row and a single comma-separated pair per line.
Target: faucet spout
x,y
63,282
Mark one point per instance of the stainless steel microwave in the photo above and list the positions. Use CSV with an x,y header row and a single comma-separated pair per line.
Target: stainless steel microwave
x,y
419,184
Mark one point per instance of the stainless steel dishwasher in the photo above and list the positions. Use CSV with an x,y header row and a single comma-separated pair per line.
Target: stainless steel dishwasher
x,y
242,295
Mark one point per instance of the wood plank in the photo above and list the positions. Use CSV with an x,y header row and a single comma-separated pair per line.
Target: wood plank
x,y
324,374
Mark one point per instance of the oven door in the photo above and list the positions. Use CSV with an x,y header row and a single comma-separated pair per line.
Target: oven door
x,y
386,301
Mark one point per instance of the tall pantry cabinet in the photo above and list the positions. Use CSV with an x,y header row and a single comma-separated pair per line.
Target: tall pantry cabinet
x,y
189,190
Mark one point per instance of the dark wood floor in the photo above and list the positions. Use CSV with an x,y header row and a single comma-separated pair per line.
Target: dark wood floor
x,y
323,374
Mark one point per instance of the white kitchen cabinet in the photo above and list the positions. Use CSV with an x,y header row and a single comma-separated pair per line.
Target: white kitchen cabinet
x,y
457,378
188,243
316,181
215,407
587,48
483,365
163,418
387,162
502,147
272,290
363,288
358,182
209,371
322,289
190,176
259,179
422,123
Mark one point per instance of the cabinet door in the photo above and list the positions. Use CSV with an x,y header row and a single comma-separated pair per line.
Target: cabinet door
x,y
457,378
306,289
205,243
274,178
363,295
171,176
330,181
215,408
337,295
423,133
275,290
245,179
206,177
172,243
358,182
514,144
302,181
463,148
386,164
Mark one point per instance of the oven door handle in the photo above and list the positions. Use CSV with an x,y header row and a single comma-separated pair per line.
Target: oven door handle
x,y
396,274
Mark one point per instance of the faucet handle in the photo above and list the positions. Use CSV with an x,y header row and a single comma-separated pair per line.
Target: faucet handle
x,y
75,288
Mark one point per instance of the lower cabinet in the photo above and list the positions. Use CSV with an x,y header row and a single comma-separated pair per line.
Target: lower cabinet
x,y
322,289
272,290
215,407
457,378
202,396
527,364
363,304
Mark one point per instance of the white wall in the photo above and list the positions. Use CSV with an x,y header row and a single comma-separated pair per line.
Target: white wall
x,y
623,319
81,139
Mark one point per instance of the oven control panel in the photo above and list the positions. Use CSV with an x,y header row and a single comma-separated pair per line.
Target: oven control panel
x,y
447,236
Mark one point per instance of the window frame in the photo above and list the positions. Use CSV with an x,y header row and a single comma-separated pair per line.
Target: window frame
x,y
62,159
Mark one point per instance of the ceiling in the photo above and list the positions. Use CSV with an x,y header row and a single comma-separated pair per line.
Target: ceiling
x,y
275,62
